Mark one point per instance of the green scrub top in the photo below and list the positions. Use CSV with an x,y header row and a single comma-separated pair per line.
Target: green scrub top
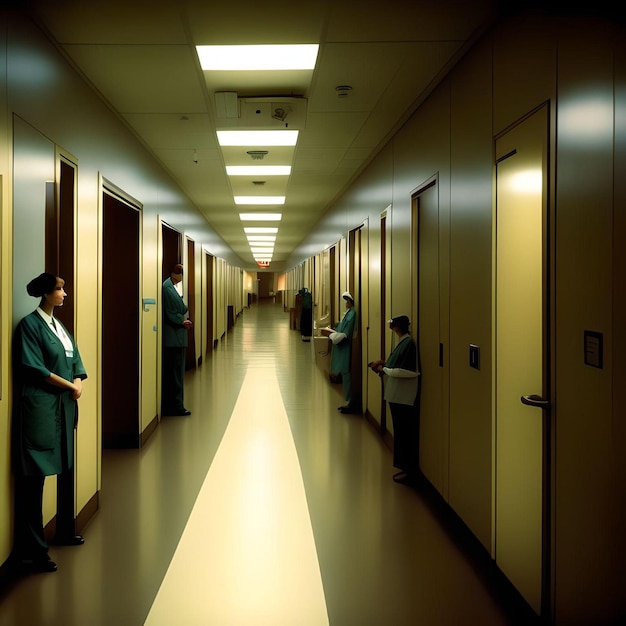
x,y
341,352
44,416
175,335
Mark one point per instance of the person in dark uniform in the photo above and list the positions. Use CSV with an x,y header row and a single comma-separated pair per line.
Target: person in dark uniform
x,y
402,392
175,340
48,374
306,317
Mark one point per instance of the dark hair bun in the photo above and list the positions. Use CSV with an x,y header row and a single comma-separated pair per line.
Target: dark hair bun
x,y
43,284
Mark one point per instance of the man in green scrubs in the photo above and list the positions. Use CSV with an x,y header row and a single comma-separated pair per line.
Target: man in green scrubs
x,y
175,340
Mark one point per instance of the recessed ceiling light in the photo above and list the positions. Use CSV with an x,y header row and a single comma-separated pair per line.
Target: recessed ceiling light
x,y
265,251
258,238
257,137
258,170
258,57
262,244
259,199
260,217
260,230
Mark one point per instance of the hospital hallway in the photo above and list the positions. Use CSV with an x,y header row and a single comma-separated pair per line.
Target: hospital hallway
x,y
265,507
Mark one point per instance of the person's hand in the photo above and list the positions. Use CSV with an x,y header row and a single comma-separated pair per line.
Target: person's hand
x,y
376,366
78,388
187,324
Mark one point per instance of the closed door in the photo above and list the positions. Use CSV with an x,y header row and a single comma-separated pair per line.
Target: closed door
x,y
432,337
521,349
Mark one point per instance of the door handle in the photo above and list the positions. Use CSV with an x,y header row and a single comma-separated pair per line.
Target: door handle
x,y
535,400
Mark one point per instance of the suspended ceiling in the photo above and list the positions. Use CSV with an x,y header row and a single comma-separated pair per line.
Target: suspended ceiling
x,y
141,58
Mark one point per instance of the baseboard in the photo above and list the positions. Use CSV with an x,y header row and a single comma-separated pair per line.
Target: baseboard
x,y
150,428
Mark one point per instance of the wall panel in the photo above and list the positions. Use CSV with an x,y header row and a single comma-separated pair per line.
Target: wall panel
x,y
583,292
470,293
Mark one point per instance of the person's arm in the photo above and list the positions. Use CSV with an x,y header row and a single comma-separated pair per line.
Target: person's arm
x,y
75,387
398,372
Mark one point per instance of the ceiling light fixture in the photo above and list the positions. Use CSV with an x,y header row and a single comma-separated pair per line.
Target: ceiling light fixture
x,y
258,170
257,155
265,200
258,57
260,217
260,230
257,138
261,238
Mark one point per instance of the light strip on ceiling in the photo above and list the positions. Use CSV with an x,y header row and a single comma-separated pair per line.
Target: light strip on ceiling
x,y
260,238
262,244
258,57
259,199
257,138
260,230
258,170
266,251
260,217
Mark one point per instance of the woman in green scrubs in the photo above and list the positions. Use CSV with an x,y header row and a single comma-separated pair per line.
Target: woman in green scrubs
x,y
341,355
48,374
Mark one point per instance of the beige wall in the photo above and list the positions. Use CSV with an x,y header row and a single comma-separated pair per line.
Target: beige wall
x,y
579,68
59,110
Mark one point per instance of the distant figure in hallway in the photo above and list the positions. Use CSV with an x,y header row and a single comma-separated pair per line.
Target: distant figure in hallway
x,y
306,316
175,340
341,355
48,374
402,393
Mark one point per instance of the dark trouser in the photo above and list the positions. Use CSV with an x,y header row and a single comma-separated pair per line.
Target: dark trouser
x,y
306,322
173,376
29,541
406,437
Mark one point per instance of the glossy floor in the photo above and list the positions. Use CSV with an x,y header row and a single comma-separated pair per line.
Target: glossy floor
x,y
265,506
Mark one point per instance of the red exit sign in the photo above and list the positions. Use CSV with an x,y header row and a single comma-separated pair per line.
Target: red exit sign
x,y
263,263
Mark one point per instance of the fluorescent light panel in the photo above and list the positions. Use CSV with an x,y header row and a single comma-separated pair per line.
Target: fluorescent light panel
x,y
260,217
258,170
265,251
262,244
259,57
257,138
260,230
259,199
261,238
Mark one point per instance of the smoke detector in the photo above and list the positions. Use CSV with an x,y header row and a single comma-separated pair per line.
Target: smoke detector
x,y
342,91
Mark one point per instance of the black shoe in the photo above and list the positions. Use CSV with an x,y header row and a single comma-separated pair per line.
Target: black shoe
x,y
176,412
72,540
401,477
347,409
40,564
44,565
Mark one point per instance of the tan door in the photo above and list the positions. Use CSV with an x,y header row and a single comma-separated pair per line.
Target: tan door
x,y
521,343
